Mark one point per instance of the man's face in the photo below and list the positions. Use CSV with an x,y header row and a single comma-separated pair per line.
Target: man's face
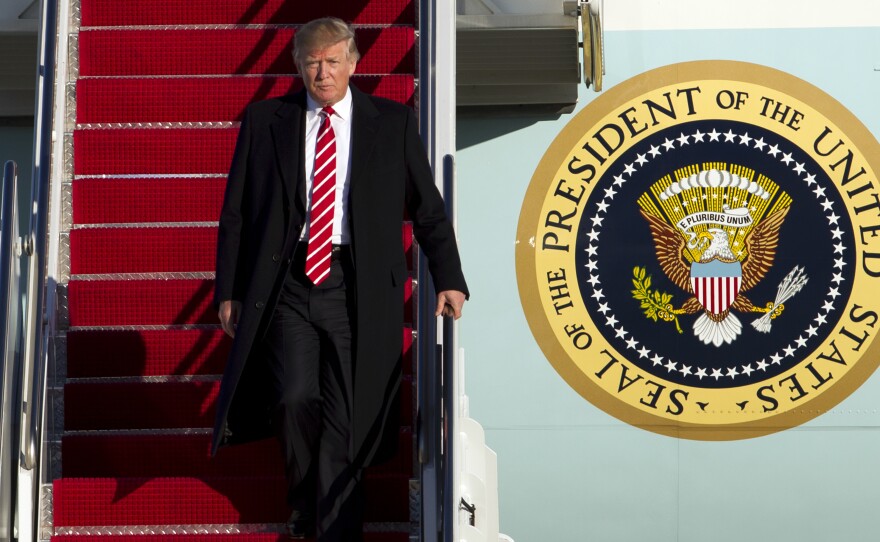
x,y
326,72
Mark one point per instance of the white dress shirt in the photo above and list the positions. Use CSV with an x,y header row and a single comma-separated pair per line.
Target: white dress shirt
x,y
340,121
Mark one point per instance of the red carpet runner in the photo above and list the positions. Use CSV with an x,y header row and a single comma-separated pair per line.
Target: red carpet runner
x,y
162,85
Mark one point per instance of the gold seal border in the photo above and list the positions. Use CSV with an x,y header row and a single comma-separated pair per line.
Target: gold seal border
x,y
526,243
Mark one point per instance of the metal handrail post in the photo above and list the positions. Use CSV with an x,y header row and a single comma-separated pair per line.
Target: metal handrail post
x,y
437,123
444,105
428,370
10,343
450,395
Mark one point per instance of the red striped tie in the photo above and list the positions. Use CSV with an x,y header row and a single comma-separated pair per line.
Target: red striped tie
x,y
323,202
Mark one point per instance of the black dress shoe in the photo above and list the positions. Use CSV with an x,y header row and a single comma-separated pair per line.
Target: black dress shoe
x,y
300,525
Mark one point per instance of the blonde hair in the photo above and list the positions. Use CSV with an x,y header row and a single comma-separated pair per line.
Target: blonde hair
x,y
320,34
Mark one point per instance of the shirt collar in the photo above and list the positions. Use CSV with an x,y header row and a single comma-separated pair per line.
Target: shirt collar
x,y
342,108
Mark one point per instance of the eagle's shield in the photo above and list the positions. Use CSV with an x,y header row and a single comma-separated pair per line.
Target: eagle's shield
x,y
716,284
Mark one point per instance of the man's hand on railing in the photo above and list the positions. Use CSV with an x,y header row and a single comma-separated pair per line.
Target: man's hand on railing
x,y
450,303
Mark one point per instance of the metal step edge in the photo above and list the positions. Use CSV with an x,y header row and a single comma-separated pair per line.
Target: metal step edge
x,y
184,431
217,125
157,379
185,275
157,327
232,26
129,225
178,431
356,76
241,528
47,528
139,176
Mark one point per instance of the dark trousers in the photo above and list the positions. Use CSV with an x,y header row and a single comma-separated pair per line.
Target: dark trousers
x,y
309,342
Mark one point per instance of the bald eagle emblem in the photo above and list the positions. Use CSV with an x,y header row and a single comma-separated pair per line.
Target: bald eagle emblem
x,y
716,253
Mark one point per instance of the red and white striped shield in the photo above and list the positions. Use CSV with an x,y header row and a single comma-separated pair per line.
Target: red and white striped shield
x,y
716,284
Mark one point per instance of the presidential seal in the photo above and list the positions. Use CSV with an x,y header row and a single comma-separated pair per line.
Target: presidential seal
x,y
698,252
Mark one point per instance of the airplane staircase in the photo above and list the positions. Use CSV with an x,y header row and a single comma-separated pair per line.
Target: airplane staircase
x,y
156,91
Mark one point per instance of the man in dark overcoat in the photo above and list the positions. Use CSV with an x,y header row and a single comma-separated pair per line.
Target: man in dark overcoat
x,y
316,360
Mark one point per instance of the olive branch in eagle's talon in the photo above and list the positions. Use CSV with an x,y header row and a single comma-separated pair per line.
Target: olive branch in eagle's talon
x,y
655,304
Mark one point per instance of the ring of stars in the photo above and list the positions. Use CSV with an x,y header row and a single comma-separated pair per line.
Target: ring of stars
x,y
801,172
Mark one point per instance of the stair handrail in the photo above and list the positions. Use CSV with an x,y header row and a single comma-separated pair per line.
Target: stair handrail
x,y
34,245
10,344
451,492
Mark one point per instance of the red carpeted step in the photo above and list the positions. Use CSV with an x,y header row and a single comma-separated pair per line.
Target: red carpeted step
x,y
208,501
228,51
114,201
171,12
153,151
150,455
139,405
107,353
154,455
158,405
154,302
119,200
243,537
184,99
140,302
143,250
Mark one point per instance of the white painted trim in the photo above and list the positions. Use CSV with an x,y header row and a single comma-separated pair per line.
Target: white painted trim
x,y
621,15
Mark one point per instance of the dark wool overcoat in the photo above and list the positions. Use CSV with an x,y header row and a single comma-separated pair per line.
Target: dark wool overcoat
x,y
261,220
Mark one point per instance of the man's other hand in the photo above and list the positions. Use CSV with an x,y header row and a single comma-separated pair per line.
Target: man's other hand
x,y
449,303
229,313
